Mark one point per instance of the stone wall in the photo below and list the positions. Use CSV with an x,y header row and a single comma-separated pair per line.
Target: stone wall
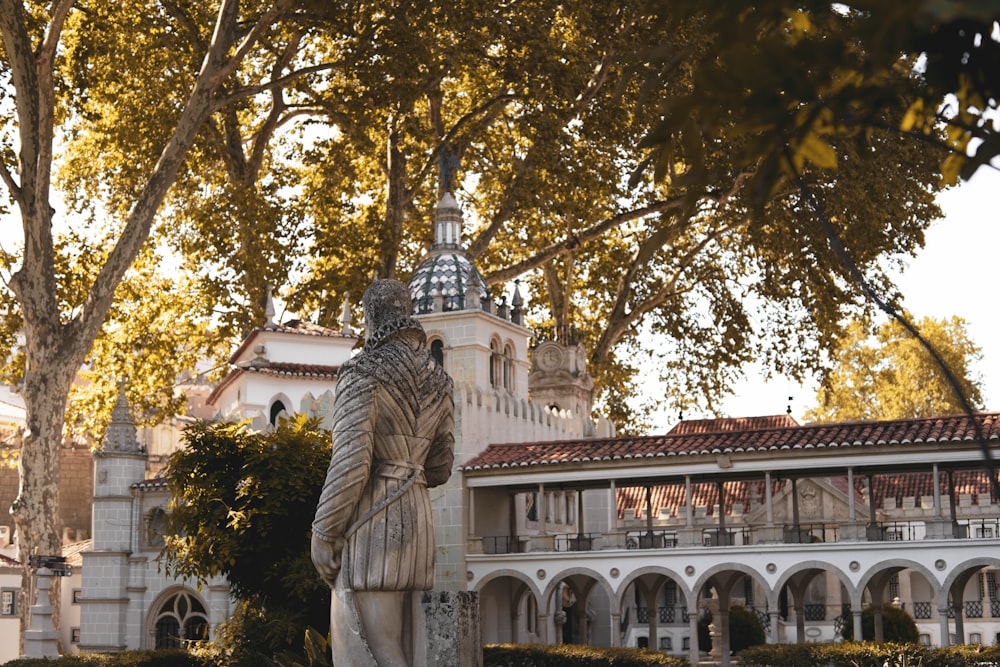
x,y
76,491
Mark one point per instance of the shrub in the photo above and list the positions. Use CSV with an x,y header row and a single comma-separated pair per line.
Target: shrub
x,y
786,655
745,629
575,655
162,658
897,626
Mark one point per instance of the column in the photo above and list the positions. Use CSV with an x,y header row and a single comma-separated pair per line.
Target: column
x,y
795,510
616,624
877,621
723,538
852,514
959,606
937,493
694,653
772,636
542,509
688,510
856,618
943,622
724,634
472,513
768,498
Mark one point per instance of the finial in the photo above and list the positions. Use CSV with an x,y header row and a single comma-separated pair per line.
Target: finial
x,y
121,434
517,301
788,410
448,164
269,309
345,316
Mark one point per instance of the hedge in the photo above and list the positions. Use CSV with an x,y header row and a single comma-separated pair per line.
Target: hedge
x,y
868,654
575,655
161,658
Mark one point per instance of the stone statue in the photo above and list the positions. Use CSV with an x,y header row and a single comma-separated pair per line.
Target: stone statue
x,y
393,436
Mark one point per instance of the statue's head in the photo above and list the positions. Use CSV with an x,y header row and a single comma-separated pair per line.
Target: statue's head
x,y
386,301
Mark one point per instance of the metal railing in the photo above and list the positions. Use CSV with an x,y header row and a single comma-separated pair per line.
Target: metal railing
x,y
973,609
809,533
578,542
923,609
644,539
727,537
896,531
501,544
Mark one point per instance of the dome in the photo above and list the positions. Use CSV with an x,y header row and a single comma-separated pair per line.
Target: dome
x,y
449,274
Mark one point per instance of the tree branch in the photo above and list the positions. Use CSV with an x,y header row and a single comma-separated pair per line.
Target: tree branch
x,y
581,237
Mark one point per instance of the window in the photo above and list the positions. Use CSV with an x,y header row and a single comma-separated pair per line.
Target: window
x,y
666,644
75,635
924,640
991,585
276,409
496,362
686,644
181,619
156,527
8,602
894,587
437,351
77,594
975,638
508,367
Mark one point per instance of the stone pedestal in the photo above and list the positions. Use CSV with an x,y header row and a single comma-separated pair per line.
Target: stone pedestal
x,y
939,529
770,535
689,537
853,531
446,629
41,639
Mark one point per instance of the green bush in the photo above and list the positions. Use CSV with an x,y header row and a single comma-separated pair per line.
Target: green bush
x,y
868,654
745,629
575,655
897,626
163,658
785,655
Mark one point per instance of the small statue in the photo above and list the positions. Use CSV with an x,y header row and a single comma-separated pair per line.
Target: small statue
x,y
393,436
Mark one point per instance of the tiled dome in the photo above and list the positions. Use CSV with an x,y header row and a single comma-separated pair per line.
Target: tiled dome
x,y
446,270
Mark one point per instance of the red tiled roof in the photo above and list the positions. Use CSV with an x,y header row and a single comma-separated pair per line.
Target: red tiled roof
x,y
286,369
278,369
672,497
154,484
955,428
732,424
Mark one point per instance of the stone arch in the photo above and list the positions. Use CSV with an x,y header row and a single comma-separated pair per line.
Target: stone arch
x,y
178,615
965,566
727,567
502,596
632,576
809,565
520,576
883,567
278,405
582,612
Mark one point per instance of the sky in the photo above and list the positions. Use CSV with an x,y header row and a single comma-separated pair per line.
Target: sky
x,y
956,273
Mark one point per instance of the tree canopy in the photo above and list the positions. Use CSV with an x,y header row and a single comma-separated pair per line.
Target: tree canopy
x,y
884,373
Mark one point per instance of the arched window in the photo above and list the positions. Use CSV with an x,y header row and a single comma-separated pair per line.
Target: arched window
x,y
156,527
437,351
496,364
276,409
180,619
508,367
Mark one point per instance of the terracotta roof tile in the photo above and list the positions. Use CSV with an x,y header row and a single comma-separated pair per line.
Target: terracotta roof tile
x,y
286,369
731,424
718,438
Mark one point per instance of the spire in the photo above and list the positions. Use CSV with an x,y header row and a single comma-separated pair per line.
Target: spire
x,y
269,309
517,304
121,435
447,223
345,316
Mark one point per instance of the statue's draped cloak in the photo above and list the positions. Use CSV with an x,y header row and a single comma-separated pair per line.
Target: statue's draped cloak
x,y
393,418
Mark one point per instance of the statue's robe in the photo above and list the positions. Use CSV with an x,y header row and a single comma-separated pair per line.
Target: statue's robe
x,y
393,420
